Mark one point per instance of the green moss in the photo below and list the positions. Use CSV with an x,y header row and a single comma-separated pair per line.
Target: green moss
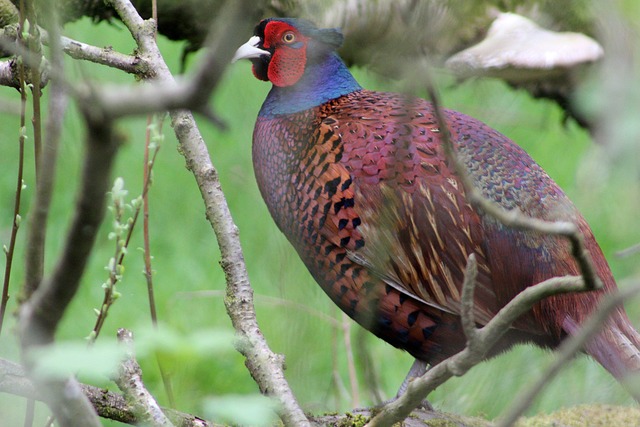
x,y
353,420
453,420
586,415
436,419
441,423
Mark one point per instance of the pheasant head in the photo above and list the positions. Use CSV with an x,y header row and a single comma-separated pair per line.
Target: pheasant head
x,y
301,62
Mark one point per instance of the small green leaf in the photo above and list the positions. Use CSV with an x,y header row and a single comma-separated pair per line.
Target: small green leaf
x,y
201,343
25,29
64,359
249,410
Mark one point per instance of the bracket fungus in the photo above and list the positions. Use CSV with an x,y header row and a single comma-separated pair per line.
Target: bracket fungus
x,y
518,50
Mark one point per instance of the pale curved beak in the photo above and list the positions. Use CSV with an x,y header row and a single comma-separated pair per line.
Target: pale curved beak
x,y
250,50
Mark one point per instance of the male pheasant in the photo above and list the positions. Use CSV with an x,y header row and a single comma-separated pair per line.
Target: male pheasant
x,y
358,182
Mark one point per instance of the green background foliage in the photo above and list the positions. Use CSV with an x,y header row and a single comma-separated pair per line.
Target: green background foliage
x,y
297,319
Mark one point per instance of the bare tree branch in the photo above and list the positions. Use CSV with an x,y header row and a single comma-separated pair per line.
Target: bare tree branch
x,y
75,49
100,55
10,250
129,380
192,92
265,366
37,230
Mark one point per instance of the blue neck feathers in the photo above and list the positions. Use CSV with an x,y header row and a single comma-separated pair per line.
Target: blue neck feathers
x,y
321,82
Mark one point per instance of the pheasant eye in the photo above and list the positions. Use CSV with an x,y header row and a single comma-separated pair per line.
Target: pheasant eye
x,y
289,37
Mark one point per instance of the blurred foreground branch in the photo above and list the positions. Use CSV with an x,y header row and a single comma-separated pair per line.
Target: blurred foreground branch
x,y
107,404
48,299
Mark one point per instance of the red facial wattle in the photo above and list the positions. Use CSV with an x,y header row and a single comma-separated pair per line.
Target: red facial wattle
x,y
289,57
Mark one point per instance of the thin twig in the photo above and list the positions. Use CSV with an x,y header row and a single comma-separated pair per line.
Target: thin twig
x,y
17,219
631,250
269,300
35,47
368,366
351,366
146,178
121,249
10,250
336,380
148,271
26,12
115,265
514,219
45,166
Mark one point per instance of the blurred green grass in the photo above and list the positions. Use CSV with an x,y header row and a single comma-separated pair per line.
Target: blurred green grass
x,y
294,314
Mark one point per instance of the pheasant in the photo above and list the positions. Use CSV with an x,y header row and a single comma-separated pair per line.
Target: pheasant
x,y
359,183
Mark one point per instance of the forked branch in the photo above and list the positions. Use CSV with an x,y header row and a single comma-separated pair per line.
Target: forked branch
x,y
480,341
